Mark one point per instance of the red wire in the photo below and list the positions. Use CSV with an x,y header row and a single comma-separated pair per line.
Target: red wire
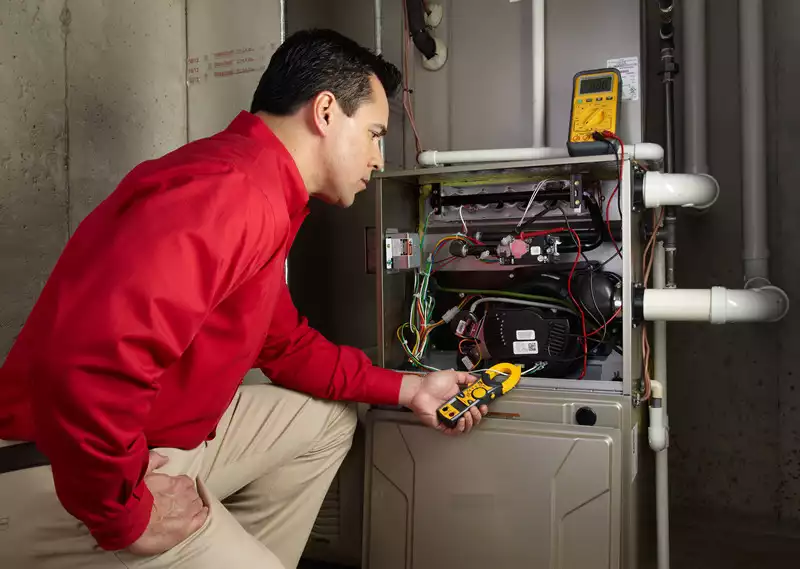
x,y
444,263
529,234
526,235
613,316
578,306
473,240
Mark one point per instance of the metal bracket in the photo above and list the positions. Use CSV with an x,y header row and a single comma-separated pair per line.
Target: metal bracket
x,y
402,250
436,198
576,192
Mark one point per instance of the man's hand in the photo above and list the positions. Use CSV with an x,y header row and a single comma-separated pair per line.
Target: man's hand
x,y
178,510
424,395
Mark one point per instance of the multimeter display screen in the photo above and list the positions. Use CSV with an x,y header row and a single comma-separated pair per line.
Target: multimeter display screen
x,y
596,85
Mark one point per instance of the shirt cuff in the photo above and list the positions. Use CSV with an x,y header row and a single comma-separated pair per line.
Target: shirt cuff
x,y
126,528
383,386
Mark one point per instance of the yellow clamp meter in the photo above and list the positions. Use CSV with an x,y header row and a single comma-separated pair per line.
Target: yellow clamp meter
x,y
496,381
595,108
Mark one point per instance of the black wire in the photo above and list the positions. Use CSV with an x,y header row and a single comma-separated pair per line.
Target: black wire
x,y
619,177
607,261
612,340
571,234
548,208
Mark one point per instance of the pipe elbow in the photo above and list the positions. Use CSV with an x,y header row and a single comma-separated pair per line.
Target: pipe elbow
x,y
438,59
699,191
648,152
763,304
717,305
657,431
427,158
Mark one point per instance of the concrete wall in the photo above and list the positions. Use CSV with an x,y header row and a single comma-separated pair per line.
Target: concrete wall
x,y
229,45
783,45
88,89
734,399
91,88
127,92
33,182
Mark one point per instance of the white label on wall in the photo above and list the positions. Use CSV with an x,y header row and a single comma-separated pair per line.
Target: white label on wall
x,y
526,334
629,70
524,348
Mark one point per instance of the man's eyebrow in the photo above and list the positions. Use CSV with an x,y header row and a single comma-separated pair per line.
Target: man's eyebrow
x,y
381,129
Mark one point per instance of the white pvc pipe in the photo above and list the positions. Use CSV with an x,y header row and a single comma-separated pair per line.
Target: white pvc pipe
x,y
645,151
538,58
658,432
660,328
753,120
694,72
662,512
717,305
686,190
439,158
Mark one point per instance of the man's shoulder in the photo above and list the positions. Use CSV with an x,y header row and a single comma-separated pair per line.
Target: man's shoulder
x,y
225,154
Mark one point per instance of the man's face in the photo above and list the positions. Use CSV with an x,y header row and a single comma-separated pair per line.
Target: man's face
x,y
352,150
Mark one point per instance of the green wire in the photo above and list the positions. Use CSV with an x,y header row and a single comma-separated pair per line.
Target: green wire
x,y
503,293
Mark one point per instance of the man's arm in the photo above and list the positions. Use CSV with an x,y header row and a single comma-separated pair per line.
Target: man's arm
x,y
298,357
126,299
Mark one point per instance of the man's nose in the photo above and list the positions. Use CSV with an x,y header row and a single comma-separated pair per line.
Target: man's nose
x,y
377,161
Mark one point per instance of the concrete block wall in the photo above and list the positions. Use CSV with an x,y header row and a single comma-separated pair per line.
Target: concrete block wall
x,y
733,392
88,90
33,144
126,98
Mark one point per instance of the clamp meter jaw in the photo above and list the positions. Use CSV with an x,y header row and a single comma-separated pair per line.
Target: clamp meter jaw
x,y
496,381
595,108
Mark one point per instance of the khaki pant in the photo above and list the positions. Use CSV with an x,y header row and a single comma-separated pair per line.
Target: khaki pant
x,y
264,478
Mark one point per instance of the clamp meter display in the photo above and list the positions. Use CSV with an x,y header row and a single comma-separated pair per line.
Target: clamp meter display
x,y
496,381
595,108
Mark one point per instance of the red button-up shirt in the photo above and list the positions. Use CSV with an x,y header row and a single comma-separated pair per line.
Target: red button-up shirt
x,y
167,294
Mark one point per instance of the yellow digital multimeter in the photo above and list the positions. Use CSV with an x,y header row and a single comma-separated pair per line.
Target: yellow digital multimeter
x,y
595,108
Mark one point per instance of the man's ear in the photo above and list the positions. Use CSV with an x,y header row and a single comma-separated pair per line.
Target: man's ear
x,y
324,108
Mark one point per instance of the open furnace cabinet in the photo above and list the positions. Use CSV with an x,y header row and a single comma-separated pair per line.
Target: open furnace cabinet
x,y
554,477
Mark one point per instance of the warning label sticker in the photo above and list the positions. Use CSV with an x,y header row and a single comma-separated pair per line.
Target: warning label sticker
x,y
526,348
629,71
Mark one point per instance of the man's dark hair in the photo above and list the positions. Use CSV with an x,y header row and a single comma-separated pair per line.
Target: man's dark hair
x,y
312,61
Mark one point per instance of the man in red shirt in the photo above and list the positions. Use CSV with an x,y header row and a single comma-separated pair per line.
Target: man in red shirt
x,y
127,438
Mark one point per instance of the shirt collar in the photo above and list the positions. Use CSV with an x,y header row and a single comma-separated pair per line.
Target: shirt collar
x,y
251,126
